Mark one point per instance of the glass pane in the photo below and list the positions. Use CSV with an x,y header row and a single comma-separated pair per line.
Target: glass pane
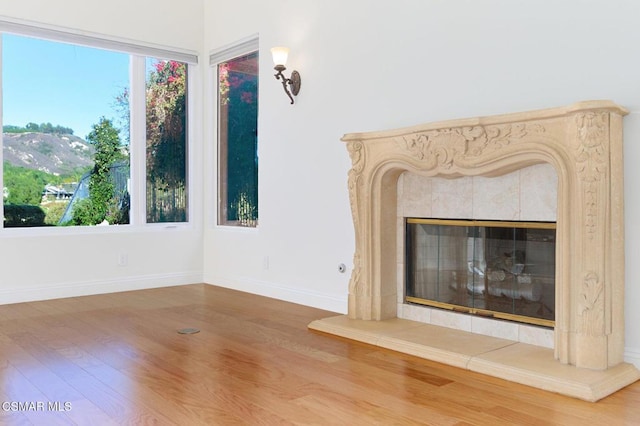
x,y
65,160
166,99
497,269
238,141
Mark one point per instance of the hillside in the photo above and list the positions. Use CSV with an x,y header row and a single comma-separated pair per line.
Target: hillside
x,y
51,153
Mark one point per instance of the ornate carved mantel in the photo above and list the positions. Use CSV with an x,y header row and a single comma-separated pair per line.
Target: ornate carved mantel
x,y
583,142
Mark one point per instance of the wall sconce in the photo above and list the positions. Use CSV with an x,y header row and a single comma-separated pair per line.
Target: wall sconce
x,y
280,55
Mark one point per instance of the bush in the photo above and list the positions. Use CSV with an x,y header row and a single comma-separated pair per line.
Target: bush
x,y
86,213
23,215
54,212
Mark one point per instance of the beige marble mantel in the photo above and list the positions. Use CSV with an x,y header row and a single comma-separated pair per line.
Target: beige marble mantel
x,y
583,142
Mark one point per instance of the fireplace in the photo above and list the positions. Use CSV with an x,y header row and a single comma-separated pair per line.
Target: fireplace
x,y
495,269
583,144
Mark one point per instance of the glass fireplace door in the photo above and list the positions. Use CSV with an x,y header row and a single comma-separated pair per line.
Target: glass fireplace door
x,y
497,269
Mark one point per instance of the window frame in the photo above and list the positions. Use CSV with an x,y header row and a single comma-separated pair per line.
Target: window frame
x,y
243,47
138,52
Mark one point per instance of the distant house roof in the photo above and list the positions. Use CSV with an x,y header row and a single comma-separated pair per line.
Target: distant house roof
x,y
57,191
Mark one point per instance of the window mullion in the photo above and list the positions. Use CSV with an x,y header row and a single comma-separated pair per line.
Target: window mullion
x,y
138,129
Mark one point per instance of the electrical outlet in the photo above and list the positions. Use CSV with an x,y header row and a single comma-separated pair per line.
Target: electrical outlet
x,y
123,259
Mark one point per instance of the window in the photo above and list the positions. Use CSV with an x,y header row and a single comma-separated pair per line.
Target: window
x,y
60,135
237,80
71,105
166,150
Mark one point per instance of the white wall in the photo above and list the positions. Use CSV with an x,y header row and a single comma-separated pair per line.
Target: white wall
x,y
41,264
372,65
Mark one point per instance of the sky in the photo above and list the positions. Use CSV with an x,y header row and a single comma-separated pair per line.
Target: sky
x,y
61,84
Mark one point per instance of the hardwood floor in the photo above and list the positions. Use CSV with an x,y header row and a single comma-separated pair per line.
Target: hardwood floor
x,y
118,359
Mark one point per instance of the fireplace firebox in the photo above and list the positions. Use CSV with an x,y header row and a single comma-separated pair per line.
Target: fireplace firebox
x,y
497,269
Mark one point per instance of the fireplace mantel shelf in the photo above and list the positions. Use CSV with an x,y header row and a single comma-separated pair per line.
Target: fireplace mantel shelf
x,y
517,362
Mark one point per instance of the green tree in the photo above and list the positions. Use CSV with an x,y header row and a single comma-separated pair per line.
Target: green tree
x,y
9,128
25,185
102,203
166,148
42,128
166,142
166,122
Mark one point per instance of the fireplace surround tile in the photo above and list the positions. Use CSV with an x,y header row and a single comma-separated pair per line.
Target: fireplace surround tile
x,y
489,201
496,328
451,198
535,336
414,313
416,195
450,319
497,198
537,201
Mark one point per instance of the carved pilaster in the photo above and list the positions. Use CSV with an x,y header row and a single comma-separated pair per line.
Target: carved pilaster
x,y
356,153
591,305
591,162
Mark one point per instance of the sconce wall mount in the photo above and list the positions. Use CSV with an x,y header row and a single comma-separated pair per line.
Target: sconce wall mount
x,y
291,85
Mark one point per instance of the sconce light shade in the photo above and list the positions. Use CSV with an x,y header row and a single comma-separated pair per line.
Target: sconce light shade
x,y
280,55
291,85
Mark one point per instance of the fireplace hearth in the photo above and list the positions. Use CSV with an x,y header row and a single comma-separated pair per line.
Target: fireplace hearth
x,y
583,144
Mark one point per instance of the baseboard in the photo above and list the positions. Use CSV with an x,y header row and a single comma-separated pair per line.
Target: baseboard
x,y
85,288
632,356
282,292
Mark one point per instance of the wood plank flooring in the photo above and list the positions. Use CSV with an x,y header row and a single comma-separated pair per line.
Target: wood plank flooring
x,y
117,359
